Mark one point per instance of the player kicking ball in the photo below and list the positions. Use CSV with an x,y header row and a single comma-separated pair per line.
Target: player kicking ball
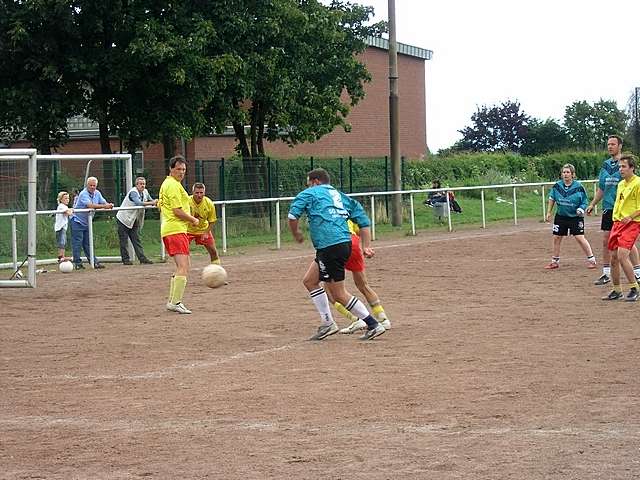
x,y
625,231
570,199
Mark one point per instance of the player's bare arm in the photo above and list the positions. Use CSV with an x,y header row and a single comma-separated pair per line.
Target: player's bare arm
x,y
295,231
595,201
182,215
365,238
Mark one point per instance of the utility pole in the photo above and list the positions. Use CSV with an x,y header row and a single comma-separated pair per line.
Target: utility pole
x,y
394,122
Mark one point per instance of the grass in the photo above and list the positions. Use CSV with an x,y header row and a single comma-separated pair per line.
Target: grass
x,y
243,230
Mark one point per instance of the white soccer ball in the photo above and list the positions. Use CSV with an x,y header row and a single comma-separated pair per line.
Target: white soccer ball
x,y
214,276
580,212
65,267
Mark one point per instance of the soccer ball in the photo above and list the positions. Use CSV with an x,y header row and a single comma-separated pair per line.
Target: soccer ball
x,y
65,267
214,276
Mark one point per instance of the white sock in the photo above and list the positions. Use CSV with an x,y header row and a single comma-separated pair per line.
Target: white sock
x,y
606,270
356,307
321,301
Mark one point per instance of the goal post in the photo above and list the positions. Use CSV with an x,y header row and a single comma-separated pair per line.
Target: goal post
x,y
31,156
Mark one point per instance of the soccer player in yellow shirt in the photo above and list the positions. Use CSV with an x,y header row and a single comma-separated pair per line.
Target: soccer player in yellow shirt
x,y
626,228
204,210
173,202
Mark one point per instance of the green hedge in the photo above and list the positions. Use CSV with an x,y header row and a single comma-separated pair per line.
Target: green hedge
x,y
487,168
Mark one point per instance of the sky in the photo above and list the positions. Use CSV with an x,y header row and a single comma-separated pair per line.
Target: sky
x,y
545,54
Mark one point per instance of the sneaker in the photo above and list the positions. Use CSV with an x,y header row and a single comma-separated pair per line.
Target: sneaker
x,y
126,262
146,261
98,266
324,331
632,296
552,266
613,295
78,266
177,307
354,327
386,323
591,265
602,280
373,333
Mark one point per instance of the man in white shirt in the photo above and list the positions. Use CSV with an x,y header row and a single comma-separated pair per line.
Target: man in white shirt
x,y
130,221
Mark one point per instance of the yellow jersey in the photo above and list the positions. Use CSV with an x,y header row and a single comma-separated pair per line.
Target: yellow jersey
x,y
353,228
627,199
172,195
205,211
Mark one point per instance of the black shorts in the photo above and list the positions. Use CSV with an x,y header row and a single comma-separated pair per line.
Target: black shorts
x,y
606,224
564,225
331,261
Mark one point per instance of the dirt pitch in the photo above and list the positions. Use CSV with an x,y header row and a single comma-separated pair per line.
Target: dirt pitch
x,y
494,369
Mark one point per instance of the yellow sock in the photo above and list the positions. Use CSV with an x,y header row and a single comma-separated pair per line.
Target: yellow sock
x,y
172,287
178,289
378,312
216,261
633,285
344,312
617,288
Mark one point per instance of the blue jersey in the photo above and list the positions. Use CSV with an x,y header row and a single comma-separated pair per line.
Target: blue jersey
x,y
328,211
568,198
608,182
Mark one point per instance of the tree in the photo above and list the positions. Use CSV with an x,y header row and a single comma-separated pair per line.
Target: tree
x,y
633,126
589,125
298,74
544,137
498,128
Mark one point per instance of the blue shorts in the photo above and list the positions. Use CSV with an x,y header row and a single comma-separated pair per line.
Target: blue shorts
x,y
61,238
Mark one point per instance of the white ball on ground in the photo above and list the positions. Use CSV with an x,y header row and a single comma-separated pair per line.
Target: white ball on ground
x,y
214,276
65,267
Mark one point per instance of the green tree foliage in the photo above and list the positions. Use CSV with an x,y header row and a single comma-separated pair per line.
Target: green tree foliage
x,y
633,125
589,125
499,128
544,137
39,87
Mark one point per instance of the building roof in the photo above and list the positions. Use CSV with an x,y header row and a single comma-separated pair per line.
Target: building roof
x,y
403,48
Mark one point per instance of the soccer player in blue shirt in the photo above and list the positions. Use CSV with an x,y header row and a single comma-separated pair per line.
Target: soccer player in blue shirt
x,y
328,210
571,200
607,187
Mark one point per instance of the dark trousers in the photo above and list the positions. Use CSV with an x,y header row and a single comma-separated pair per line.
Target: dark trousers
x,y
125,233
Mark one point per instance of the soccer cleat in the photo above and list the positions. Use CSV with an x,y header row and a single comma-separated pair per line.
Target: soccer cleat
x,y
373,333
386,323
613,295
178,307
552,266
632,296
354,327
324,331
602,280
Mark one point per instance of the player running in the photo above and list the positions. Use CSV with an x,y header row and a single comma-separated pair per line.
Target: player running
x,y
328,211
571,199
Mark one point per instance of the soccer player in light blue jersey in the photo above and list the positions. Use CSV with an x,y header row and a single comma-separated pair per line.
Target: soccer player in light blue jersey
x,y
570,199
607,187
328,210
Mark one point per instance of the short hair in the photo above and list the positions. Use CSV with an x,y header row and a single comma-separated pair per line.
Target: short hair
x,y
617,137
62,194
173,161
140,178
571,168
198,185
319,174
91,178
630,159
